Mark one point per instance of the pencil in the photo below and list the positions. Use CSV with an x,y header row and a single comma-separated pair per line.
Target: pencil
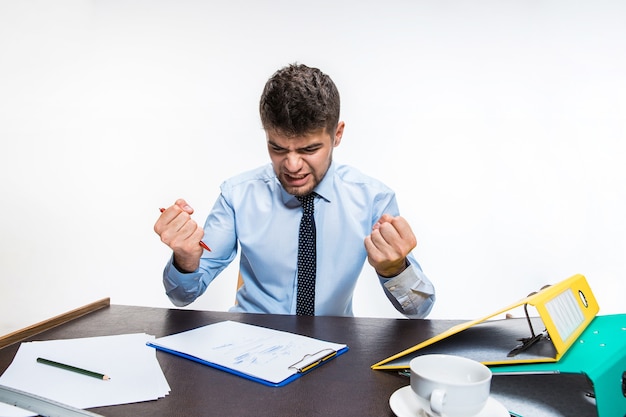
x,y
204,246
73,369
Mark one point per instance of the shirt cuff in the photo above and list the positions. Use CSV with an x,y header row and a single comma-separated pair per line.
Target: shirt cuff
x,y
181,288
412,290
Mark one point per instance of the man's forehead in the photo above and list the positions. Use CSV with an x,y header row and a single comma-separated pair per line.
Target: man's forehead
x,y
297,141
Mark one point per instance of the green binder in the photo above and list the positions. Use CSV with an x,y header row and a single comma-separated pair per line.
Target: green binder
x,y
600,354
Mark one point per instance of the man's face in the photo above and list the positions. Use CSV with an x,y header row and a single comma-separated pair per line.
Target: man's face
x,y
300,162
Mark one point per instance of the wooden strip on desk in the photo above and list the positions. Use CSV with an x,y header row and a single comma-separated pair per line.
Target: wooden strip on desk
x,y
42,326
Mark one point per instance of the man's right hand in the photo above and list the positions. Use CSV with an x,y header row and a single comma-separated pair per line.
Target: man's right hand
x,y
182,234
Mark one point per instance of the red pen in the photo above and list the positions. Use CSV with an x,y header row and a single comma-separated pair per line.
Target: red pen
x,y
204,246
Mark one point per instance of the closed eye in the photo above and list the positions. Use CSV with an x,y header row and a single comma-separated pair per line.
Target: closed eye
x,y
310,149
276,148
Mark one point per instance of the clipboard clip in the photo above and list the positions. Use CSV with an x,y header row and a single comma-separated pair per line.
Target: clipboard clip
x,y
527,342
311,360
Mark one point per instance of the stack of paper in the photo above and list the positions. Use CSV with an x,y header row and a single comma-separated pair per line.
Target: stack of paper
x,y
135,374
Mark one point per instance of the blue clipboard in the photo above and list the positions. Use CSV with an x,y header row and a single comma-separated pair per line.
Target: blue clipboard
x,y
294,355
282,383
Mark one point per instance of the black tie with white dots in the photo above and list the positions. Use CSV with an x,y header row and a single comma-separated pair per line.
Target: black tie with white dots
x,y
307,260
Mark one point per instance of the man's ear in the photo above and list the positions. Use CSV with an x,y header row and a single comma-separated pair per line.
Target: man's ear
x,y
338,133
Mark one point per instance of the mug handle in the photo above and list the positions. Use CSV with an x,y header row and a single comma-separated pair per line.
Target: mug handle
x,y
436,401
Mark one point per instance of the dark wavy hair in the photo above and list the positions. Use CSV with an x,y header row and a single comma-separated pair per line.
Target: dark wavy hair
x,y
298,99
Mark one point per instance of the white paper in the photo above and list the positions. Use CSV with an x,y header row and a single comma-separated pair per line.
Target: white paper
x,y
252,350
132,366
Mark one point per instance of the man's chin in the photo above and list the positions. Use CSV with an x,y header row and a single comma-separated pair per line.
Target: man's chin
x,y
297,190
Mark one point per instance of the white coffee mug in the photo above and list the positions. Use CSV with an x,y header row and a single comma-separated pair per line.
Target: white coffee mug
x,y
450,386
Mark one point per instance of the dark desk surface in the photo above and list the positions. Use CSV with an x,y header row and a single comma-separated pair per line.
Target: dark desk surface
x,y
345,386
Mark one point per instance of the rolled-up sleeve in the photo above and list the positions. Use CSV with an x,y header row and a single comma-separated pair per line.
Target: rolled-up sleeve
x,y
411,292
182,288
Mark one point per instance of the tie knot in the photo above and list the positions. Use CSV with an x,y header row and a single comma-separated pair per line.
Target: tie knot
x,y
307,202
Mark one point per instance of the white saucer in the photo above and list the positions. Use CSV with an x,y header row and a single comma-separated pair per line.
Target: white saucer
x,y
404,404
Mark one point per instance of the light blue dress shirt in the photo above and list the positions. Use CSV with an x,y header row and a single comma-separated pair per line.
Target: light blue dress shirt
x,y
256,215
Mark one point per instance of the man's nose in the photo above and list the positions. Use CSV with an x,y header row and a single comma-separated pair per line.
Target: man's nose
x,y
293,162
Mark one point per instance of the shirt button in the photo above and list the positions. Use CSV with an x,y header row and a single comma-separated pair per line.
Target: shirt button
x,y
392,288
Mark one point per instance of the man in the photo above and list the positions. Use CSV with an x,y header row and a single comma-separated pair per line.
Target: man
x,y
343,216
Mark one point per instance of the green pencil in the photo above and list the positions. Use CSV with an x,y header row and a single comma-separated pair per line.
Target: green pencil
x,y
73,369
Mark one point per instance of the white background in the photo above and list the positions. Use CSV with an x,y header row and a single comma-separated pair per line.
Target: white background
x,y
500,124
